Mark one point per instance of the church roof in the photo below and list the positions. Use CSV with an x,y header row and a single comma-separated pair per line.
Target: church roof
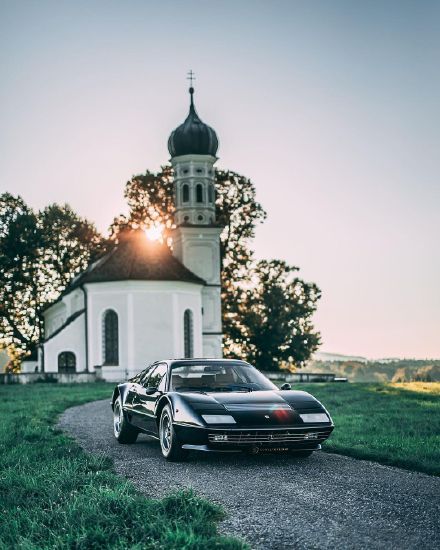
x,y
193,137
136,258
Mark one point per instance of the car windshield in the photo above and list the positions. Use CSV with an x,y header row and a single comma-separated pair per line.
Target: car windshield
x,y
218,377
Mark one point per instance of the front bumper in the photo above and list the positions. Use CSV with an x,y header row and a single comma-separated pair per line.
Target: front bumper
x,y
242,439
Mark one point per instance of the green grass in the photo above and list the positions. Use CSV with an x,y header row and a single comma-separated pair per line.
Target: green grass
x,y
395,424
53,495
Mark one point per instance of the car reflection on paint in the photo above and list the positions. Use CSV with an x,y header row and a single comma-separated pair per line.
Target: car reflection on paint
x,y
218,405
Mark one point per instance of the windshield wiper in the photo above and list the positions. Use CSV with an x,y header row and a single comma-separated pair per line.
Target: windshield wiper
x,y
238,387
193,388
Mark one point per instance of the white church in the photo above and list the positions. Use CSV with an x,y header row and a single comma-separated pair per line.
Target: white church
x,y
142,301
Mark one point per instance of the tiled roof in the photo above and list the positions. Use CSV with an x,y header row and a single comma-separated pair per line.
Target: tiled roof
x,y
139,259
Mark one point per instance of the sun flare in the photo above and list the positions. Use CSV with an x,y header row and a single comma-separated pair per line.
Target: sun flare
x,y
155,232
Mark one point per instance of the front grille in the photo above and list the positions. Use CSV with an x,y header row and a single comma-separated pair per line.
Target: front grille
x,y
269,436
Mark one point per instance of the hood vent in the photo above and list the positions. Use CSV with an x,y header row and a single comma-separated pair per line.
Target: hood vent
x,y
245,407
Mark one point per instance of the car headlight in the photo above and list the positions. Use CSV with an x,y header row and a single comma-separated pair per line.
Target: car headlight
x,y
218,418
314,417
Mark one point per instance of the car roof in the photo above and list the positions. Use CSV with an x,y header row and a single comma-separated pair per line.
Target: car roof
x,y
195,359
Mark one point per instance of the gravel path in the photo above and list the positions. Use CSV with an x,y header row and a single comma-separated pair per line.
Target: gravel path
x,y
278,501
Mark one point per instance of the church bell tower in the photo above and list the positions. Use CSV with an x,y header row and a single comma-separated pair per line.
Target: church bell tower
x,y
196,240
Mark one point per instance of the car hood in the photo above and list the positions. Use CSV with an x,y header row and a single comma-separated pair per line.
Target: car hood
x,y
268,408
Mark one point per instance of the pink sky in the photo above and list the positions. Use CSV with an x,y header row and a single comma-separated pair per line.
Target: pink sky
x,y
330,108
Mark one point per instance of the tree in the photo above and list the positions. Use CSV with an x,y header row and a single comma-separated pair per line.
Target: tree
x,y
266,310
150,199
269,320
40,253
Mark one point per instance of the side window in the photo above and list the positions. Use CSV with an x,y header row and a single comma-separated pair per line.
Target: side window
x,y
157,379
143,377
139,377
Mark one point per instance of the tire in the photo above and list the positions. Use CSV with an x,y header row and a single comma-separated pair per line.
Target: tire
x,y
122,430
169,444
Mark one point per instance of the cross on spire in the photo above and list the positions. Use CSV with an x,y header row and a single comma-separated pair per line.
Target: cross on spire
x,y
191,78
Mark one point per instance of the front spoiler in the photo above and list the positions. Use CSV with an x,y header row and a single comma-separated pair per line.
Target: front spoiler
x,y
253,449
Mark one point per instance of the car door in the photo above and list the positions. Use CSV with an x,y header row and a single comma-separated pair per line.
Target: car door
x,y
133,387
133,400
147,398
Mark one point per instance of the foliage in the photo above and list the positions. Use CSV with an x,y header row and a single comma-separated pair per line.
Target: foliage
x,y
40,253
395,424
15,356
252,292
54,495
269,320
150,199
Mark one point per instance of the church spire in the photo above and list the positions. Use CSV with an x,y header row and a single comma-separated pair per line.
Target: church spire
x,y
191,78
193,137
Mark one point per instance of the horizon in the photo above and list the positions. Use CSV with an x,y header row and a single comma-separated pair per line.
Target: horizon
x,y
331,110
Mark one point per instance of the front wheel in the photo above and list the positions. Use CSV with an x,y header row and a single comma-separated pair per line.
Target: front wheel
x,y
123,431
169,444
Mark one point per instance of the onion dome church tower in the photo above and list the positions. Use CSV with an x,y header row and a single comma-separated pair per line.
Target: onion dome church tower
x,y
196,240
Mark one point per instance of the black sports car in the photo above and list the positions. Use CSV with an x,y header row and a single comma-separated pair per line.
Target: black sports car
x,y
217,405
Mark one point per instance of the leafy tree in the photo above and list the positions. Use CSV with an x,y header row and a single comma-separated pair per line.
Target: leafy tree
x,y
150,199
266,310
269,320
40,253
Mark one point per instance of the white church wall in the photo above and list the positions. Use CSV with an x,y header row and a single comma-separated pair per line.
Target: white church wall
x,y
150,315
71,338
198,249
54,318
29,366
56,315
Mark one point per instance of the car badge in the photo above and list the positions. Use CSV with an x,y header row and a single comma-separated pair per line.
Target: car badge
x,y
266,416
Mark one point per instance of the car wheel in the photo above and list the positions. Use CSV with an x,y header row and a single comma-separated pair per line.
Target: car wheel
x,y
169,444
123,431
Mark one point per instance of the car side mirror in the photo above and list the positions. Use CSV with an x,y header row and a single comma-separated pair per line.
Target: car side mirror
x,y
150,390
286,386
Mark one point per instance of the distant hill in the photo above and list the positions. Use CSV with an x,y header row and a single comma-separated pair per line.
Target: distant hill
x,y
362,370
323,356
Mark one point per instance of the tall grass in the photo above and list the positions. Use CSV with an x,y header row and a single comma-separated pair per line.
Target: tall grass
x,y
395,424
53,495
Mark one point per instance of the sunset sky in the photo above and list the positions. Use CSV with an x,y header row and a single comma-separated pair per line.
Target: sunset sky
x,y
330,107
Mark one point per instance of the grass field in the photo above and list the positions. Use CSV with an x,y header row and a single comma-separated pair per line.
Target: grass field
x,y
53,495
396,424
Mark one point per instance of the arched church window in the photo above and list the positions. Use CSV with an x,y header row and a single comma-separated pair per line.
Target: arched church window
x,y
188,335
199,192
211,193
111,338
185,193
66,362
